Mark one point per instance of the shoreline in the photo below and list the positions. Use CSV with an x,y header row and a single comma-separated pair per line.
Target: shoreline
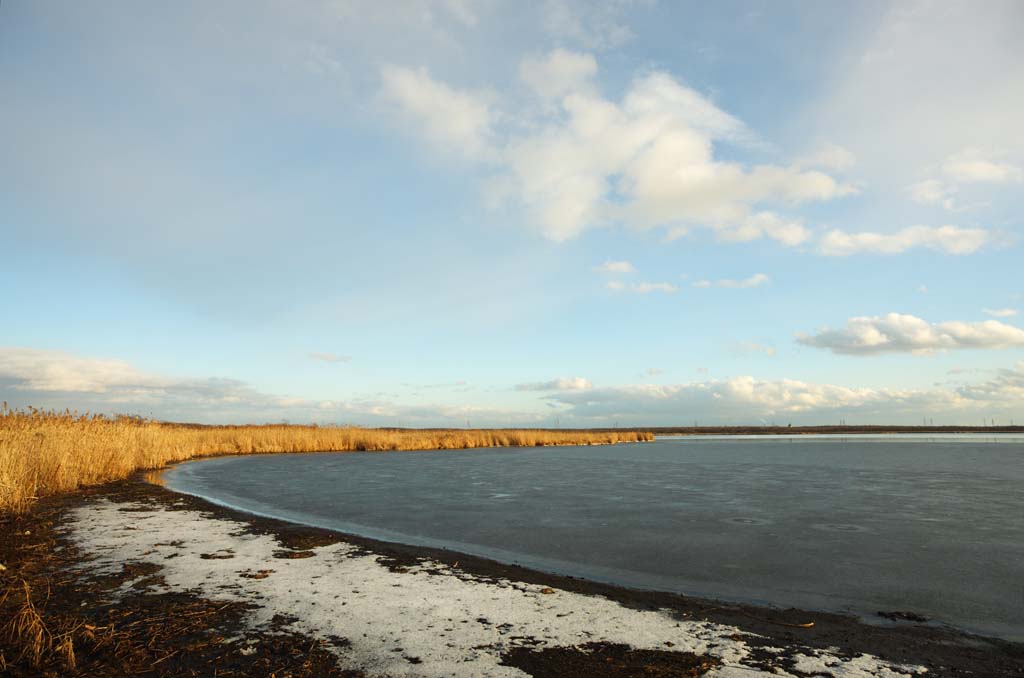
x,y
824,430
104,449
763,639
385,540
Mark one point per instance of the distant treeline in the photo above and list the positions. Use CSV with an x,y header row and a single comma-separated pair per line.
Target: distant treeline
x,y
795,430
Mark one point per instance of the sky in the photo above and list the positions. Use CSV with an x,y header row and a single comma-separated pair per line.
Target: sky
x,y
492,213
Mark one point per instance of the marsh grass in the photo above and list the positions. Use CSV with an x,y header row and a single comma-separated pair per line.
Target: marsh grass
x,y
26,625
46,452
26,629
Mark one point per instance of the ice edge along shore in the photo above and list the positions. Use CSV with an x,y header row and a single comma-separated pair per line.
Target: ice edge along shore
x,y
429,619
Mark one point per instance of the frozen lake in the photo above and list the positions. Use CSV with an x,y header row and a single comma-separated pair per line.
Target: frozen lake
x,y
933,525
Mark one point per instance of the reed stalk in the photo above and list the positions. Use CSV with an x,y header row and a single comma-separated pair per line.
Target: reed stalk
x,y
46,452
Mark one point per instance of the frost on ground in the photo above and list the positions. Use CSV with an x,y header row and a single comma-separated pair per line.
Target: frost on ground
x,y
426,620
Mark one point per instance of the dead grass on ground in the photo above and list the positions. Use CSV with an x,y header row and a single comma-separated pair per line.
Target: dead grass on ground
x,y
58,620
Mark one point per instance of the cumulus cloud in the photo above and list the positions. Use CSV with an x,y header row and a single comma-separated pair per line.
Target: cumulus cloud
x,y
897,333
641,287
560,384
63,380
948,239
789,232
755,280
57,379
1006,388
745,399
39,370
27,376
615,267
972,166
580,159
573,159
331,357
1001,312
453,120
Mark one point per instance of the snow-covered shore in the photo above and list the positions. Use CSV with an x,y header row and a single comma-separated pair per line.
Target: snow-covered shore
x,y
426,619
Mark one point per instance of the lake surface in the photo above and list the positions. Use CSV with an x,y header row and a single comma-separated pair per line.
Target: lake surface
x,y
932,525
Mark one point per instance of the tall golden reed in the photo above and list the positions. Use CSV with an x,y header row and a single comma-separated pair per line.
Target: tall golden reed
x,y
44,453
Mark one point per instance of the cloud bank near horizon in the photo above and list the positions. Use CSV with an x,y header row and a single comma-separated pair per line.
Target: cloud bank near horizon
x,y
46,378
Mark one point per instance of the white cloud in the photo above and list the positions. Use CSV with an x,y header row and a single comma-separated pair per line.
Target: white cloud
x,y
1005,389
1001,312
948,239
937,100
52,378
754,347
755,280
62,380
456,121
745,399
933,192
928,192
559,73
592,25
56,379
641,287
654,148
897,333
579,160
789,232
971,166
741,397
331,357
829,156
645,287
560,384
40,370
615,267
968,166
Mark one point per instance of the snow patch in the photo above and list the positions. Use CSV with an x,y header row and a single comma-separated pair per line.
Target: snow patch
x,y
415,622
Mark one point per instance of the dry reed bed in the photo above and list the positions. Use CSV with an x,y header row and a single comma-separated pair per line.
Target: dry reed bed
x,y
43,453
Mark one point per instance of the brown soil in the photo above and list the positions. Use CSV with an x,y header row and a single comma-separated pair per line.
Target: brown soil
x,y
83,630
599,659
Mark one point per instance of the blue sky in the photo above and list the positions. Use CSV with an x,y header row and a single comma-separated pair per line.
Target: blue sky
x,y
428,213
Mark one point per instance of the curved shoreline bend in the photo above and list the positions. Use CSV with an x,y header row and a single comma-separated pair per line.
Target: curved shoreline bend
x,y
360,607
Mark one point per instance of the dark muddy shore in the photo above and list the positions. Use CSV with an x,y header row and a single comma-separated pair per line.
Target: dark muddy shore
x,y
177,634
